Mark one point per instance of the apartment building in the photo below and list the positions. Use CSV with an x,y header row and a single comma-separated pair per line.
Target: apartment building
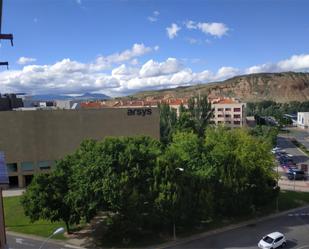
x,y
228,111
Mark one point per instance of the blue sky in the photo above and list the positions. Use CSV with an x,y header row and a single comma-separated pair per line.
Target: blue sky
x,y
119,47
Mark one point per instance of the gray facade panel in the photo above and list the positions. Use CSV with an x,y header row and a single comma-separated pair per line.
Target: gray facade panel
x,y
32,136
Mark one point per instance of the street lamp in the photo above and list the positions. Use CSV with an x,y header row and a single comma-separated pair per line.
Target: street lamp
x,y
294,173
174,225
57,231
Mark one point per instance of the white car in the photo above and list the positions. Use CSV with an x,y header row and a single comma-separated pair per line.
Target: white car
x,y
272,241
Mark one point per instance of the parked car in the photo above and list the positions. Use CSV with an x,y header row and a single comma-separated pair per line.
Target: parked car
x,y
297,174
272,241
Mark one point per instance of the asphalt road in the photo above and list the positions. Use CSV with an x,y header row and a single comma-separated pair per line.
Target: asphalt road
x,y
295,226
302,135
289,147
17,242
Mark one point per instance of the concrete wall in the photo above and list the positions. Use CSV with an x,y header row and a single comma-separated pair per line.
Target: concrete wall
x,y
33,136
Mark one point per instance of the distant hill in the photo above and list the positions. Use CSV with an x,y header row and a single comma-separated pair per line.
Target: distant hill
x,y
85,96
279,87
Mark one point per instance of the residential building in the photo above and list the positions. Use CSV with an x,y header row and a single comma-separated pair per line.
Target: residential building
x,y
229,112
33,140
303,119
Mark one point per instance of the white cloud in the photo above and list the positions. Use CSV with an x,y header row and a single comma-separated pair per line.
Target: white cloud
x,y
172,30
25,60
124,77
226,72
190,24
211,28
79,1
214,29
154,16
294,63
194,40
105,62
152,68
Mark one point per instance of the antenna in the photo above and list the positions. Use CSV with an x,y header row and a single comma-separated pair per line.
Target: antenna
x,y
4,36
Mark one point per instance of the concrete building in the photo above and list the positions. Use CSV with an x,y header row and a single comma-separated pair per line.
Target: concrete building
x,y
33,140
9,102
229,112
67,104
303,119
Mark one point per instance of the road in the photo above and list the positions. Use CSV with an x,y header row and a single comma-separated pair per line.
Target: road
x,y
302,135
295,226
298,156
17,242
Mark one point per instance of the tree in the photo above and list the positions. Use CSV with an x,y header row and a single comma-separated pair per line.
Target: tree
x,y
201,113
168,119
47,196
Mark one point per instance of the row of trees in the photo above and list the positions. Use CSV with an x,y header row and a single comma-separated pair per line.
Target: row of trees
x,y
277,110
196,173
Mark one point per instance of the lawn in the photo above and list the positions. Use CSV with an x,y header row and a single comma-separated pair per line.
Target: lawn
x,y
15,220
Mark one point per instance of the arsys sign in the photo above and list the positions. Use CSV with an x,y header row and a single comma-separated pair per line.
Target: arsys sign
x,y
139,112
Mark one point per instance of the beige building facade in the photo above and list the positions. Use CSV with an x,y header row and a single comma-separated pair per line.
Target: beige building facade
x,y
33,140
229,113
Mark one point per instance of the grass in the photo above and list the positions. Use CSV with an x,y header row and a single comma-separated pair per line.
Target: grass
x,y
16,221
300,146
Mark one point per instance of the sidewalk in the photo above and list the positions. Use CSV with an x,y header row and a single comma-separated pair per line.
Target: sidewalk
x,y
12,192
302,186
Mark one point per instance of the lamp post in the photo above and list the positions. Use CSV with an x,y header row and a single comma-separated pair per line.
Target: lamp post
x,y
57,231
174,222
294,173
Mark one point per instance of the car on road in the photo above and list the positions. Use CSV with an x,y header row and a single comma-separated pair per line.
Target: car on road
x,y
297,174
272,241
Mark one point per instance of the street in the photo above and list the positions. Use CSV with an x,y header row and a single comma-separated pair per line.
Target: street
x,y
294,225
302,135
299,158
18,242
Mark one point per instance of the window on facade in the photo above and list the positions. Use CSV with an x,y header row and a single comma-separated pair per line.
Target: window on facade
x,y
227,115
236,115
220,115
220,109
237,122
227,122
219,122
227,109
236,109
27,166
12,167
45,164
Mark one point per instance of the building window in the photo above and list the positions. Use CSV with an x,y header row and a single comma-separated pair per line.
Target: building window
x,y
27,166
236,109
227,109
12,167
220,115
236,115
219,122
45,164
220,109
227,115
237,122
228,122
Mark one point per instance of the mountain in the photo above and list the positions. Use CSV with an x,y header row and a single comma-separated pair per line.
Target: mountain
x,y
85,96
279,87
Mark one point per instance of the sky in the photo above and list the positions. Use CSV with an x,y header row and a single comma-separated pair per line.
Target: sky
x,y
119,47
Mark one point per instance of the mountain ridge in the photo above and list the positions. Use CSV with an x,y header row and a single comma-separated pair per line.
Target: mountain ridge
x,y
279,87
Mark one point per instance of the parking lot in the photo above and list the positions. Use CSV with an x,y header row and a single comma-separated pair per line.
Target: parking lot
x,y
285,166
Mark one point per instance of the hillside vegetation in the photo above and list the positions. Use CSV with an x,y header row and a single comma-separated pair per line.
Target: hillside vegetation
x,y
278,87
